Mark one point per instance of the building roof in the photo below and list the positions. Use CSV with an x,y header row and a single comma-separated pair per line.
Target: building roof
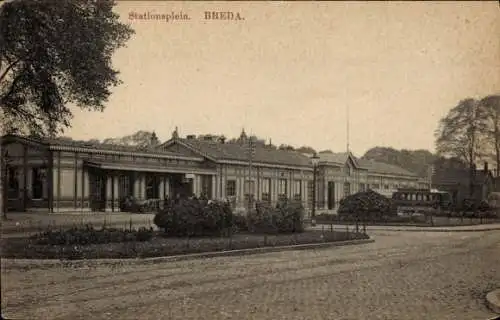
x,y
338,157
76,144
104,146
384,168
370,165
239,152
458,175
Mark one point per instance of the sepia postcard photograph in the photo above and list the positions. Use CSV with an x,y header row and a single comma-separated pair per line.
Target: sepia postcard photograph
x,y
260,160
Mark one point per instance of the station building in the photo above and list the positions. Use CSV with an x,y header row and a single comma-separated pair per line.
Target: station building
x,y
58,175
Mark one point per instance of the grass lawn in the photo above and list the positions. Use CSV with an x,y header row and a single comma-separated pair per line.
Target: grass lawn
x,y
158,245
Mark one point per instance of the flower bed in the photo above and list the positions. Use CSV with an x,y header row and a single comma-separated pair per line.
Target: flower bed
x,y
89,235
159,245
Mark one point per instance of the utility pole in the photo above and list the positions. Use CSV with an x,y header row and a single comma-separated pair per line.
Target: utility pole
x,y
251,151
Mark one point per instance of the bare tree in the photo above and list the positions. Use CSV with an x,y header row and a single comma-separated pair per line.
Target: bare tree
x,y
490,105
459,134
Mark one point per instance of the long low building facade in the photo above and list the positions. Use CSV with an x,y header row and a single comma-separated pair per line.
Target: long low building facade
x,y
60,175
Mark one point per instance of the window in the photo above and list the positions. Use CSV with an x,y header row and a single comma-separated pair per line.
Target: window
x,y
362,187
38,176
151,187
347,189
231,188
124,189
297,190
282,188
266,187
375,186
206,186
348,170
386,186
310,191
331,195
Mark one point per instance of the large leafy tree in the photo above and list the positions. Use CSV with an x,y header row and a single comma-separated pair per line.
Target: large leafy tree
x,y
491,130
459,134
54,54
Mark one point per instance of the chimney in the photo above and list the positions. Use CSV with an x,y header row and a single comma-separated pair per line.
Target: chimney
x,y
485,167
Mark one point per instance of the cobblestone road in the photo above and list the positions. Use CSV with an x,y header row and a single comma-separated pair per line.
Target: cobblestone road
x,y
415,275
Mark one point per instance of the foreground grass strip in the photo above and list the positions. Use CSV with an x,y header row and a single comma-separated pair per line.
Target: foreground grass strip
x,y
48,263
160,246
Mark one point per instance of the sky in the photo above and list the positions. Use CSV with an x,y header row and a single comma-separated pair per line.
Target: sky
x,y
296,71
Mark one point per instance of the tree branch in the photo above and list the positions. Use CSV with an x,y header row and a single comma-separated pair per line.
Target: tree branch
x,y
11,90
4,74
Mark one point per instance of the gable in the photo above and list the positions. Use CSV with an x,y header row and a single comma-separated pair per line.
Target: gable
x,y
350,162
177,148
15,149
14,146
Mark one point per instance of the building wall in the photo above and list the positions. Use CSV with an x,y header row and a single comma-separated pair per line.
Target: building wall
x,y
68,181
257,176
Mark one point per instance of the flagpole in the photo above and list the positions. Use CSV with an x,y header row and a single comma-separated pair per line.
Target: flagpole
x,y
347,128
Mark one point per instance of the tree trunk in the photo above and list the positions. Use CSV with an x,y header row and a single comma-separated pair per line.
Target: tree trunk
x,y
472,169
471,181
3,188
3,199
497,154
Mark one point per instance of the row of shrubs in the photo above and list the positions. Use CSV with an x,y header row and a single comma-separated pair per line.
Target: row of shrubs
x,y
89,235
193,217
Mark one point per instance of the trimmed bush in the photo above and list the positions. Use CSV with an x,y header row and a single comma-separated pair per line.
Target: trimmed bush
x,y
193,217
286,217
368,205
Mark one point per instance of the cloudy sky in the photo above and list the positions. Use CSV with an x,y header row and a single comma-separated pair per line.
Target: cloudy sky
x,y
289,71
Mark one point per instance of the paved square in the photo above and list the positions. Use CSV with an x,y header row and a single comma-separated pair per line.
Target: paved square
x,y
413,275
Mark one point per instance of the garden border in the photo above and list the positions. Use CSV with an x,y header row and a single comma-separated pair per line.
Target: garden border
x,y
13,263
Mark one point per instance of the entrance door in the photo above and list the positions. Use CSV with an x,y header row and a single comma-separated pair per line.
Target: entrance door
x,y
124,186
331,195
97,181
180,187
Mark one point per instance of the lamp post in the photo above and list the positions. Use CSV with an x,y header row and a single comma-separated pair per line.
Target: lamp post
x,y
251,152
315,161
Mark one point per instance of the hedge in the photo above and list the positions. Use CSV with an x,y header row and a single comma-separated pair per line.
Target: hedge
x,y
194,217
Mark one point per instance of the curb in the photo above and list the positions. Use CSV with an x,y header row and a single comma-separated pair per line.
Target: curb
x,y
437,230
493,300
214,254
427,229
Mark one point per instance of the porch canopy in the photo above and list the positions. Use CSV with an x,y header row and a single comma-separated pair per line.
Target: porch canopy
x,y
144,168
